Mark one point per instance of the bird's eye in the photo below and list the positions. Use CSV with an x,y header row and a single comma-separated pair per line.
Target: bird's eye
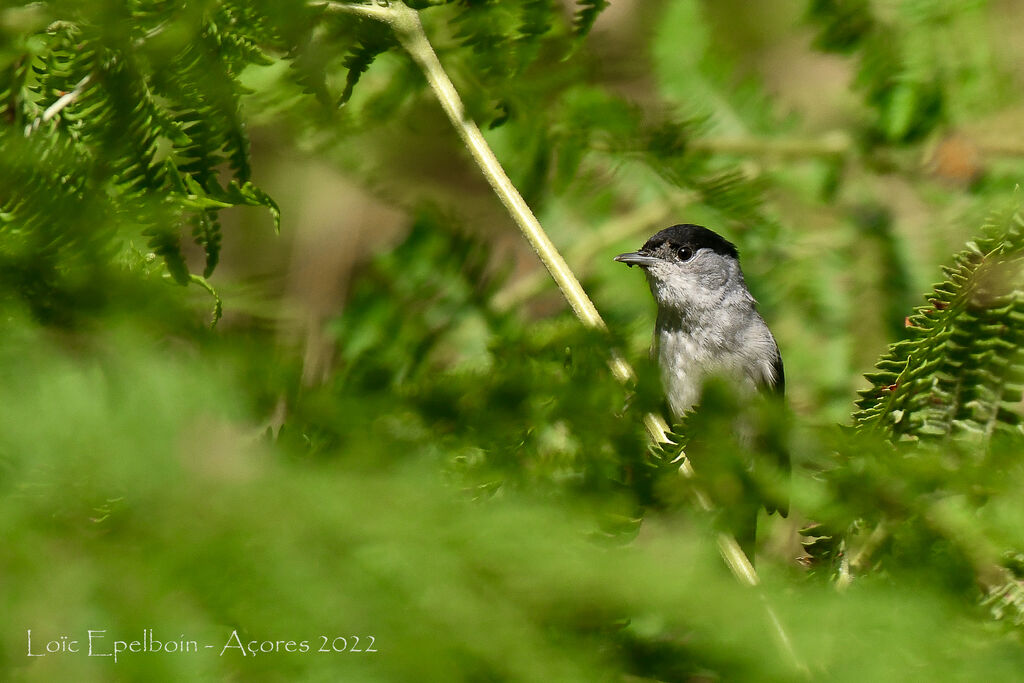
x,y
685,253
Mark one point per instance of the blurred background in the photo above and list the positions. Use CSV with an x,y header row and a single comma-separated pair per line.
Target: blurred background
x,y
397,429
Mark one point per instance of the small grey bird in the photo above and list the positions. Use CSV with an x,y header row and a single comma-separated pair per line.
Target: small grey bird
x,y
707,320
707,325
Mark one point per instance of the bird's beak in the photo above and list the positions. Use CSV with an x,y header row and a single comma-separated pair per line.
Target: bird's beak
x,y
635,258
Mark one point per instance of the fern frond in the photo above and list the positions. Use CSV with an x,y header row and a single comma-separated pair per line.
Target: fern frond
x,y
113,131
375,39
206,233
731,192
165,242
586,15
962,371
490,30
842,24
536,19
249,194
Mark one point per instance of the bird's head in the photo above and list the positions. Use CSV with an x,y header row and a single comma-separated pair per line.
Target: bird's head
x,y
689,267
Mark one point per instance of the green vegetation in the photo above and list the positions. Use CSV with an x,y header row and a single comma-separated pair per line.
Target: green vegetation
x,y
395,431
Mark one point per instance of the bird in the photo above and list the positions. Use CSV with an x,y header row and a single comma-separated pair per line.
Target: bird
x,y
708,326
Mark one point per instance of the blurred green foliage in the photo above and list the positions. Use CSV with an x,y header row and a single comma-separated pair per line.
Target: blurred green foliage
x,y
920,64
464,483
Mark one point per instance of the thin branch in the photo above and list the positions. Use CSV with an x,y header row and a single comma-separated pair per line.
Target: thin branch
x,y
410,33
57,107
406,23
1001,148
381,12
834,144
856,559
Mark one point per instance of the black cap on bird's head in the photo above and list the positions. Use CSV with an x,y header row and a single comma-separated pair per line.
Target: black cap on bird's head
x,y
678,243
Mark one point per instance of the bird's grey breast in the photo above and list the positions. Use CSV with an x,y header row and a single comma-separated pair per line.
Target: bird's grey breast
x,y
691,349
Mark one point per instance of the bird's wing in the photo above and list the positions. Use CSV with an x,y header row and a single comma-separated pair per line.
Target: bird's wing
x,y
773,381
769,375
779,386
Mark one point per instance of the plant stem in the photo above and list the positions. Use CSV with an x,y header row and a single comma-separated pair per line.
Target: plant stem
x,y
57,107
835,144
414,40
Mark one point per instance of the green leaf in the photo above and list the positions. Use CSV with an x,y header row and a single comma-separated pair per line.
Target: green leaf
x,y
586,15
